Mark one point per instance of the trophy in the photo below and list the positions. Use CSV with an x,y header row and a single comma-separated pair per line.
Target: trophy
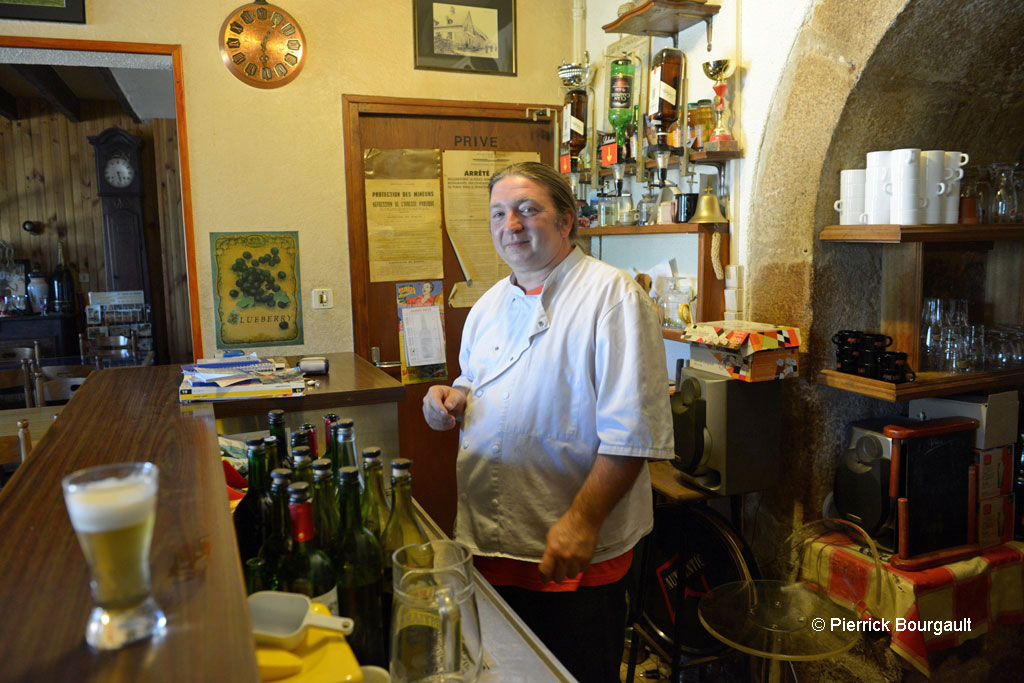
x,y
721,141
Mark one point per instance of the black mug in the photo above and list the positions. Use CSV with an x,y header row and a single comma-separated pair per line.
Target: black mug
x,y
895,368
847,338
876,341
868,364
846,359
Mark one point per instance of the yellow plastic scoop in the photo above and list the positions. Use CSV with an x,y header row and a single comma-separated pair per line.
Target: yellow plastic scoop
x,y
281,619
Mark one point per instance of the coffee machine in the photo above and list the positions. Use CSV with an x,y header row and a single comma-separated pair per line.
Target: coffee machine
x,y
727,432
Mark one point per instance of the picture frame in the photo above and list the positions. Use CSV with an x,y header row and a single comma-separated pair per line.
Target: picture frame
x,y
69,11
477,36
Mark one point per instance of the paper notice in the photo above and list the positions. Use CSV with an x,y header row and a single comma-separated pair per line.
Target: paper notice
x,y
466,176
424,337
403,228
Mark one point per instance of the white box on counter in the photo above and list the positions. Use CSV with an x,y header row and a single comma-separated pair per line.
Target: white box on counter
x,y
995,521
733,299
996,415
995,471
744,350
734,277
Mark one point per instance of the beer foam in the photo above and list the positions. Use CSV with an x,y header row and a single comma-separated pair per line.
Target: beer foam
x,y
110,503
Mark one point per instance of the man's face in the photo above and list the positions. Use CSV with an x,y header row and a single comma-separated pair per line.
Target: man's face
x,y
527,231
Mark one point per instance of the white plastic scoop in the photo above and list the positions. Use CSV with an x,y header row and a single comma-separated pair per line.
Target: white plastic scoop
x,y
282,618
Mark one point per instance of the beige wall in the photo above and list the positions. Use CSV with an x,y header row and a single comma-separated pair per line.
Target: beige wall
x,y
272,159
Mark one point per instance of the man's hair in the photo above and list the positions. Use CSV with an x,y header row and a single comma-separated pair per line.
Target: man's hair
x,y
558,188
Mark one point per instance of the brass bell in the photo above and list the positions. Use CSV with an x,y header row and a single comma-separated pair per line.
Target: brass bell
x,y
708,210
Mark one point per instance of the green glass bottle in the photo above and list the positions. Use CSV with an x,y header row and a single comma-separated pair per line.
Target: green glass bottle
x,y
373,501
255,575
326,515
279,540
358,564
302,465
255,509
402,527
270,447
346,438
620,97
296,439
275,419
307,569
330,444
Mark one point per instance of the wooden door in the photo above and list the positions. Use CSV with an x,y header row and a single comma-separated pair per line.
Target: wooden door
x,y
387,123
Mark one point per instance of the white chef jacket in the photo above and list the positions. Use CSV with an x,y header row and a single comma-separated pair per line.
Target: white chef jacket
x,y
555,379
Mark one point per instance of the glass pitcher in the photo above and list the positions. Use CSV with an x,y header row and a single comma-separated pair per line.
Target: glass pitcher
x,y
435,627
1004,198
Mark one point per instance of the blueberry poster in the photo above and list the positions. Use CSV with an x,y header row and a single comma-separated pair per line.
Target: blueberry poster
x,y
256,288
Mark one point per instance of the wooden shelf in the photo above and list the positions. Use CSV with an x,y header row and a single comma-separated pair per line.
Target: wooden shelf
x,y
664,229
902,234
927,384
673,162
662,18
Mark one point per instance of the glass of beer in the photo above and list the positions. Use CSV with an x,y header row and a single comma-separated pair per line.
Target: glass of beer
x,y
112,509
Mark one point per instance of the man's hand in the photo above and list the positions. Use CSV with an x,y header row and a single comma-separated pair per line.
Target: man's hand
x,y
442,405
571,541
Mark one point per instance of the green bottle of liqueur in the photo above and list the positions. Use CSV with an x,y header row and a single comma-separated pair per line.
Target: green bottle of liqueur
x,y
302,465
326,515
273,455
330,443
358,564
279,540
306,569
620,97
346,438
255,575
275,418
373,501
255,509
402,527
296,439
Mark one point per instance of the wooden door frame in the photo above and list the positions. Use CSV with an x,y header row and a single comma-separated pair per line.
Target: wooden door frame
x,y
174,52
354,106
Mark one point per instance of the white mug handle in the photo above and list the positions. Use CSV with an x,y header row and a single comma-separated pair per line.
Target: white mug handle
x,y
839,203
923,202
959,173
964,158
941,187
888,188
864,218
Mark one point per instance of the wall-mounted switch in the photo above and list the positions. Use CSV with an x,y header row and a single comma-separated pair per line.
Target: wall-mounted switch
x,y
323,298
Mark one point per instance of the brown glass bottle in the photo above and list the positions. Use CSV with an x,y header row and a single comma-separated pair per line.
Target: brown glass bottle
x,y
574,123
666,80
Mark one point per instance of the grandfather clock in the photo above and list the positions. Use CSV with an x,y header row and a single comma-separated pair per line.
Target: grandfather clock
x,y
119,184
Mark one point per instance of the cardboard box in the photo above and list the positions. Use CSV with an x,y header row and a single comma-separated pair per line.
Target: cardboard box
x,y
744,350
995,521
996,415
995,471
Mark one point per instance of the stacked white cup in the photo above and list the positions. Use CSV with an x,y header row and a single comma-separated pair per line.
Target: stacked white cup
x,y
934,185
954,163
907,203
850,204
876,200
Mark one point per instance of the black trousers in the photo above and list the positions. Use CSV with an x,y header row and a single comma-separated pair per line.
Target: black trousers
x,y
585,628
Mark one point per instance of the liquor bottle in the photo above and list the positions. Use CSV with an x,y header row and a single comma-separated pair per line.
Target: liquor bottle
x,y
273,455
402,528
279,539
309,429
666,78
620,97
62,285
574,124
302,466
326,517
255,509
255,575
296,439
275,418
373,502
346,439
357,563
306,569
330,443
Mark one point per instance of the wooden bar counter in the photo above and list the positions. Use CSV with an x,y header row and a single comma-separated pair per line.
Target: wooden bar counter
x,y
129,414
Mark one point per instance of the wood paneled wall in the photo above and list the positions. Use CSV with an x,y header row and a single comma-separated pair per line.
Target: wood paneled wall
x,y
48,174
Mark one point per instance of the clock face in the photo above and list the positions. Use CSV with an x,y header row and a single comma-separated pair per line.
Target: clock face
x,y
118,172
262,45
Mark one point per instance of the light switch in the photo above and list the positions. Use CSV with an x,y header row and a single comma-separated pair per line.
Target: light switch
x,y
323,298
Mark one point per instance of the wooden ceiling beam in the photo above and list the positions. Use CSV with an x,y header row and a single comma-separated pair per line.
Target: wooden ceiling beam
x,y
52,88
8,105
115,88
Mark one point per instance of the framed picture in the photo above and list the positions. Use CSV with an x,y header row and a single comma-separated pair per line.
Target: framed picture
x,y
72,11
466,35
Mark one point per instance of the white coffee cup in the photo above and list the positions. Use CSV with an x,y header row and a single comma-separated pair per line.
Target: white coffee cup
x,y
879,158
904,186
908,217
954,163
876,200
933,184
850,204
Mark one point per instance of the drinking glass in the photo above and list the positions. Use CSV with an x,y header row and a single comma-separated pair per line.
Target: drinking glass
x,y
984,190
1004,198
112,509
931,329
975,341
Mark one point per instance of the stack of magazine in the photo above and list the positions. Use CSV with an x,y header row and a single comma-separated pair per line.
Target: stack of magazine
x,y
248,376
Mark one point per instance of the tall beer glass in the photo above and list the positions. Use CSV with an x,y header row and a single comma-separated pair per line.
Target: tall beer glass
x,y
112,509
